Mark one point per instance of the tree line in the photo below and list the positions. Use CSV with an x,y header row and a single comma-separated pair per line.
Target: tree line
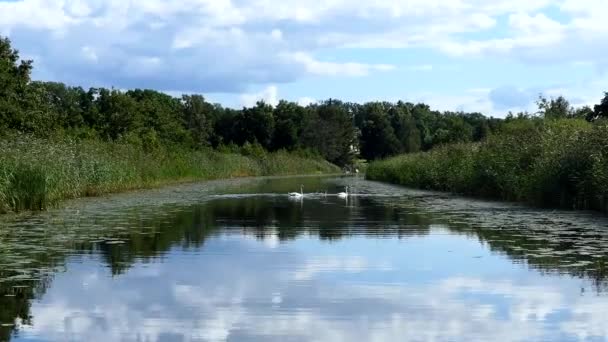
x,y
339,131
555,157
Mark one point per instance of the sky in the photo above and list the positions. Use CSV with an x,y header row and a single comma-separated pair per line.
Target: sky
x,y
472,55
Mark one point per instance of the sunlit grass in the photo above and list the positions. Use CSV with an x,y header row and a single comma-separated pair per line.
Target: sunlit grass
x,y
37,173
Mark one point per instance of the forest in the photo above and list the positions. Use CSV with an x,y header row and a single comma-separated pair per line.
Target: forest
x,y
331,128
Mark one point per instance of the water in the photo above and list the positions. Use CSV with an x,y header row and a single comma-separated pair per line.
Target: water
x,y
239,261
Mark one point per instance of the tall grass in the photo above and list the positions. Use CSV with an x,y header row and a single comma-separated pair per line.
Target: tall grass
x,y
37,173
559,163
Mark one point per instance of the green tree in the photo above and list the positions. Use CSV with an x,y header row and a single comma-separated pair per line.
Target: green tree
x,y
161,113
479,123
585,113
224,128
255,124
452,128
377,135
425,120
14,79
65,102
554,108
198,118
330,131
600,110
118,114
289,117
405,128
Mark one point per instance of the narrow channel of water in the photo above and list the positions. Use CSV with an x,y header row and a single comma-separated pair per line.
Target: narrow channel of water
x,y
240,261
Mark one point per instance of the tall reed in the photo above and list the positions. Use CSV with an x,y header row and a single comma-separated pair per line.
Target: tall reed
x,y
558,163
37,173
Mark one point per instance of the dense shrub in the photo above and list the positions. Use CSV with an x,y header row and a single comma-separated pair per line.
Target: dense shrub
x,y
562,162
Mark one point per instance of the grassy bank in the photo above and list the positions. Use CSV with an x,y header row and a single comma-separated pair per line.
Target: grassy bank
x,y
558,163
37,173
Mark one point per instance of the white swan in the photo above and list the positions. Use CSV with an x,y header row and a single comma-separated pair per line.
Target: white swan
x,y
297,194
343,194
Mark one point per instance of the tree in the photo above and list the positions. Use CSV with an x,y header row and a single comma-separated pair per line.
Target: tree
x,y
65,102
224,128
118,113
554,108
161,113
14,79
600,110
452,128
255,124
329,130
425,120
584,112
479,123
289,117
198,118
404,127
377,135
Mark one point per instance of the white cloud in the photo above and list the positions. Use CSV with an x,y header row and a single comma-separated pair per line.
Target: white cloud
x,y
332,264
238,300
229,46
477,101
89,53
316,67
268,95
305,101
526,23
528,32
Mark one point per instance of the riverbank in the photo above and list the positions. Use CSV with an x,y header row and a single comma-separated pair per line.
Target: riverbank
x,y
555,163
36,174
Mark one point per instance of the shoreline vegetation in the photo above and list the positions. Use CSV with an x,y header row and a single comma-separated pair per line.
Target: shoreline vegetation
x,y
36,173
548,162
60,141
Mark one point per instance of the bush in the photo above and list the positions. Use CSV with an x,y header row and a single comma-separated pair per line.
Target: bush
x,y
547,162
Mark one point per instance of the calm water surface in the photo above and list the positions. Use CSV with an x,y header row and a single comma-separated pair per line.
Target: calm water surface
x,y
239,261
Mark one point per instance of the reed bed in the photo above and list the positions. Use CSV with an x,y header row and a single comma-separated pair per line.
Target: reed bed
x,y
36,174
555,163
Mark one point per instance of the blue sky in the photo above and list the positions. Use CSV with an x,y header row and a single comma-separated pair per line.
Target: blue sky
x,y
473,55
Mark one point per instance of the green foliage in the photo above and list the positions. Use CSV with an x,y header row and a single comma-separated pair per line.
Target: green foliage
x,y
198,118
539,157
335,129
254,124
600,110
14,77
558,108
378,138
584,112
328,129
405,128
36,173
289,118
415,127
559,162
253,150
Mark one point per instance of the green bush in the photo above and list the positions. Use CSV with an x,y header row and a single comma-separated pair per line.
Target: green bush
x,y
560,163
